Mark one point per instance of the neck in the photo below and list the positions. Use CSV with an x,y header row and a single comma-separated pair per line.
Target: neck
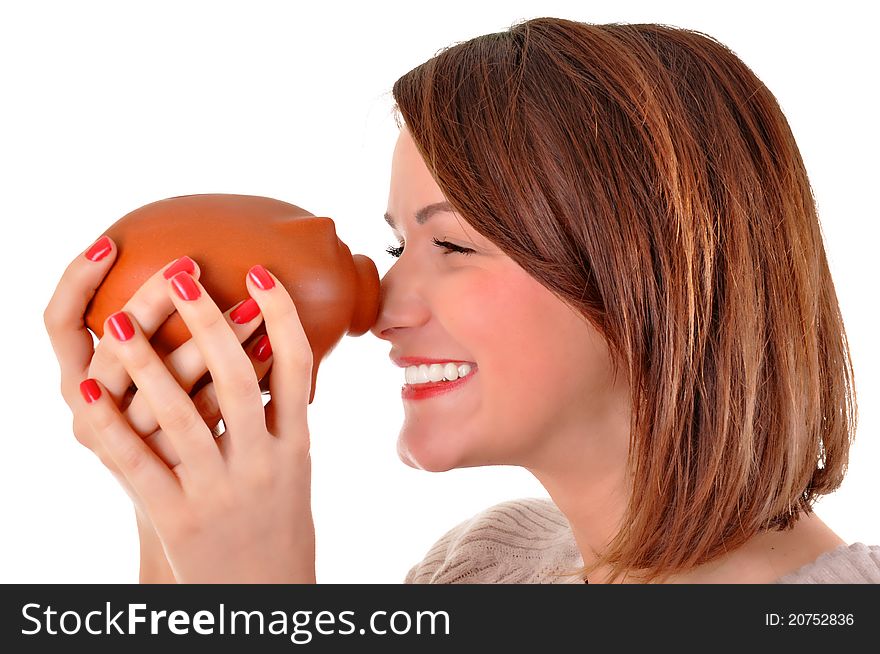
x,y
584,474
592,494
583,470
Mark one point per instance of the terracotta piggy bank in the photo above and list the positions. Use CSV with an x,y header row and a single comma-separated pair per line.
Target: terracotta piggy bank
x,y
335,293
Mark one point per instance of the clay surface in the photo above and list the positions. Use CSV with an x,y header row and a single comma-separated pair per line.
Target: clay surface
x,y
335,292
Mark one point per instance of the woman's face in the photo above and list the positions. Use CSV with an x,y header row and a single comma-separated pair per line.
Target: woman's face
x,y
541,371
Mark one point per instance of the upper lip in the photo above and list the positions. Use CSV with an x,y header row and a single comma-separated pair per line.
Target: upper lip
x,y
403,362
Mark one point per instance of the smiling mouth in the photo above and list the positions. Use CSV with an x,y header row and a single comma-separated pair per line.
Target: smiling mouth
x,y
431,389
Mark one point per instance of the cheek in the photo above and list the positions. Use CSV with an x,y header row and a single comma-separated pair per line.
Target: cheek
x,y
532,346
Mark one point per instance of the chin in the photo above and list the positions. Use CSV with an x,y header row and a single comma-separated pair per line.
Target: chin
x,y
429,454
433,454
426,463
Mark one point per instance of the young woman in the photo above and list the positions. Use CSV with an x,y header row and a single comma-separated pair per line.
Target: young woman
x,y
607,240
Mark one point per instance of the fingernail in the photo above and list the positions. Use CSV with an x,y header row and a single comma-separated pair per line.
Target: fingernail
x,y
260,276
263,349
185,286
90,390
245,312
99,249
121,326
184,264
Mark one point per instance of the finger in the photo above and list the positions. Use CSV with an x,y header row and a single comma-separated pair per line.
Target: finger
x,y
161,445
236,385
290,381
187,364
151,307
63,316
173,408
154,483
206,401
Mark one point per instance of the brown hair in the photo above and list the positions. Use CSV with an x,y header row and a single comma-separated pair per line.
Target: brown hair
x,y
648,178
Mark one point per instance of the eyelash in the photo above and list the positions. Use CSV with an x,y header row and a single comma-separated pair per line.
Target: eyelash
x,y
451,247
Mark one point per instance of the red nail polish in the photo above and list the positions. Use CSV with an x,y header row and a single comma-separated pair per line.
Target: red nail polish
x,y
90,390
121,326
263,349
260,276
99,249
245,312
184,264
185,286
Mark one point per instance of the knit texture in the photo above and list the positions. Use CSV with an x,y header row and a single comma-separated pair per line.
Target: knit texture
x,y
529,541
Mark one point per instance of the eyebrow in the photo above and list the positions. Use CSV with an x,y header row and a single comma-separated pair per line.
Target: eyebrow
x,y
423,214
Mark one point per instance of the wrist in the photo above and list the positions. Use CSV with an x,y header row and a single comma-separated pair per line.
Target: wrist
x,y
154,566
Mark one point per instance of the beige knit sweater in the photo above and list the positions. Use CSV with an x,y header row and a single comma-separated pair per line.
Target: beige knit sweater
x,y
529,541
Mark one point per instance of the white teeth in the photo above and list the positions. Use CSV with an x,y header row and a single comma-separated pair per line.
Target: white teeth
x,y
435,372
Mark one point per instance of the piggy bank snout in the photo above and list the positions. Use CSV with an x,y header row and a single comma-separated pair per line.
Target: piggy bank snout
x,y
366,297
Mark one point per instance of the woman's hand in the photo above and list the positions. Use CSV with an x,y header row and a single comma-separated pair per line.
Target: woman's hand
x,y
73,345
238,510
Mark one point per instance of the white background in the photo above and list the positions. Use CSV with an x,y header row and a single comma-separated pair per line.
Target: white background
x,y
108,106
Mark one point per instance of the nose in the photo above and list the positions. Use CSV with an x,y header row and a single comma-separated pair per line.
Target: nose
x,y
401,303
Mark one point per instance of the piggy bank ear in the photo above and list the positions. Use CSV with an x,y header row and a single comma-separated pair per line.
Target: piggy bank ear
x,y
366,307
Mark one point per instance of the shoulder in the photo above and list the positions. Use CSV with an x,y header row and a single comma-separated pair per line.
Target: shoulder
x,y
848,564
518,541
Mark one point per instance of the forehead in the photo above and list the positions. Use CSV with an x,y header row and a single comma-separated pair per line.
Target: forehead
x,y
416,197
406,160
412,185
405,142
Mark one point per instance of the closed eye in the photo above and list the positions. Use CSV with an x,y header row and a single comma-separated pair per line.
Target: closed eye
x,y
449,247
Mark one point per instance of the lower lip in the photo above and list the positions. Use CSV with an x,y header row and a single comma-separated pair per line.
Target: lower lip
x,y
424,391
